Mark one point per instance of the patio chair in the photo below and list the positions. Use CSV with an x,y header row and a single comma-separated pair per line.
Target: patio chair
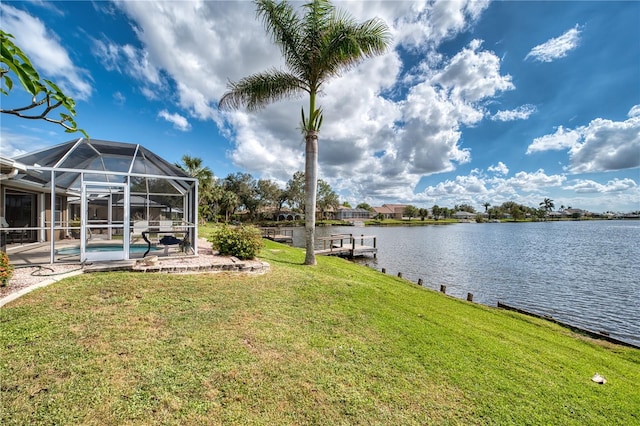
x,y
139,227
21,234
165,226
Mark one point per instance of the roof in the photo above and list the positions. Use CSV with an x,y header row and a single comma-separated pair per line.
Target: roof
x,y
383,210
98,161
464,214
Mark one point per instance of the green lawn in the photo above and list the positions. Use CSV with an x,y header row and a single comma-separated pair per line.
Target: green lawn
x,y
333,344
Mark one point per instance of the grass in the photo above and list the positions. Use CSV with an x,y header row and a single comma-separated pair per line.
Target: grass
x,y
333,344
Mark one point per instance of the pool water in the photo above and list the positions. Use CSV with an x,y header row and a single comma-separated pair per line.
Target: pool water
x,y
134,248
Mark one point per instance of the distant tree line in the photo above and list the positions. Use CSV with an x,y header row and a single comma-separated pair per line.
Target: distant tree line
x,y
509,208
240,194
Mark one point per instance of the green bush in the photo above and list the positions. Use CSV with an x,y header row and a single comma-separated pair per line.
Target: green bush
x,y
243,242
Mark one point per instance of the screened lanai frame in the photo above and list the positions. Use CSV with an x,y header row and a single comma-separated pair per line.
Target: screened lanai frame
x,y
107,190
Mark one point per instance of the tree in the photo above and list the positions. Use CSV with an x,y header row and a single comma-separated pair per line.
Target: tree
x,y
436,210
229,201
295,191
317,46
46,96
423,213
547,205
326,197
206,194
269,194
486,206
464,208
346,204
410,211
193,167
246,189
516,212
364,206
495,212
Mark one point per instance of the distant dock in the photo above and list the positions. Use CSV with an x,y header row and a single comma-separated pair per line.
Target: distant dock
x,y
347,245
278,235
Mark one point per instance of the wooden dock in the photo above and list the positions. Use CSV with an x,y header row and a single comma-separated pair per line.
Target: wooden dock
x,y
347,245
278,234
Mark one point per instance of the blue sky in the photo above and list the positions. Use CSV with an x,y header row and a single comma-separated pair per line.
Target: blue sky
x,y
475,102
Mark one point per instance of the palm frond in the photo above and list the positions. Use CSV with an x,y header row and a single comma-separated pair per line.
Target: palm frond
x,y
284,26
258,90
349,43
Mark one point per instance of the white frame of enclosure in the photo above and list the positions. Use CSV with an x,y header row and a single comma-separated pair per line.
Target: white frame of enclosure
x,y
190,201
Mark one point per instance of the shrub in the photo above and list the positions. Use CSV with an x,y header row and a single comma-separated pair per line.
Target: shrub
x,y
243,242
6,269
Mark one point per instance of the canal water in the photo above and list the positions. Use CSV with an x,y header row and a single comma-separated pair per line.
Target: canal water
x,y
585,273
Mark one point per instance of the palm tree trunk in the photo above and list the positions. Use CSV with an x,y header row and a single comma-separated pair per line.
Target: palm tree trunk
x,y
310,189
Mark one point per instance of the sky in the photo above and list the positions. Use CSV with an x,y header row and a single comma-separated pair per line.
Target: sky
x,y
474,102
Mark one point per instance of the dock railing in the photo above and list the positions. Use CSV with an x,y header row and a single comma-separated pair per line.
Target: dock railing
x,y
346,245
277,234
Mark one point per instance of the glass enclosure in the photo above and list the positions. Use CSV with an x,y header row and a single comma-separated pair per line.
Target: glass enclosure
x,y
99,194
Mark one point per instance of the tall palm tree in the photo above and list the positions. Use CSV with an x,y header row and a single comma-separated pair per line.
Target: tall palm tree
x,y
547,204
316,46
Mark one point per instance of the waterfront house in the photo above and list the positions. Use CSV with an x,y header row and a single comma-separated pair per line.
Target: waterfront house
x,y
349,214
390,211
464,216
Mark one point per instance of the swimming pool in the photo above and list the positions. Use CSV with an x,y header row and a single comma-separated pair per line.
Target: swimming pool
x,y
95,248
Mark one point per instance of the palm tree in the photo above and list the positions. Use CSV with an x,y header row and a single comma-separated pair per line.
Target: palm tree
x,y
193,167
317,46
547,205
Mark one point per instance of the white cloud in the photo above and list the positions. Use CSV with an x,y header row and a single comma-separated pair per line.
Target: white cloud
x,y
521,113
14,144
460,187
476,188
473,74
500,169
559,140
556,48
590,186
359,136
179,122
47,54
198,44
424,24
603,145
530,182
131,61
634,111
119,98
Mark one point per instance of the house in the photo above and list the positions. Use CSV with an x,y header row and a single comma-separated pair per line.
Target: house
x,y
554,215
390,211
576,213
349,214
96,190
464,216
